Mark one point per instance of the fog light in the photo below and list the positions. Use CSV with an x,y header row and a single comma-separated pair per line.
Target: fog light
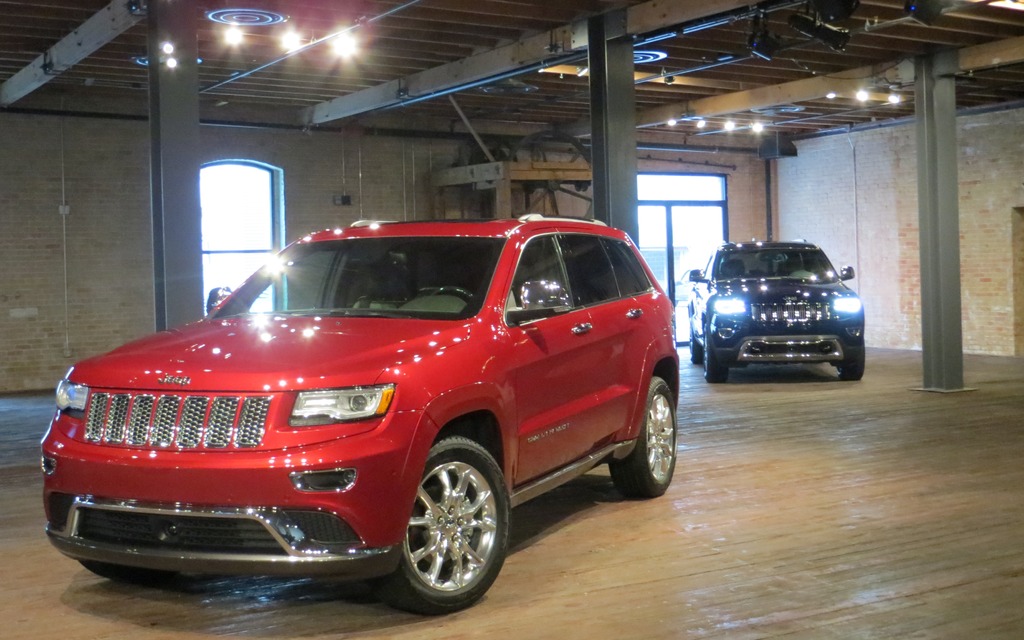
x,y
48,465
854,332
725,332
333,480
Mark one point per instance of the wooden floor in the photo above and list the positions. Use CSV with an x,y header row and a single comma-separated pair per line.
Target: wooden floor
x,y
802,507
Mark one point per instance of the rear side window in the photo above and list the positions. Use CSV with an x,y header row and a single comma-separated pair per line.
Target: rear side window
x,y
591,278
539,262
629,273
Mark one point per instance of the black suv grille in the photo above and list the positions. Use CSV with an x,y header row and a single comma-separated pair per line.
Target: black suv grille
x,y
790,312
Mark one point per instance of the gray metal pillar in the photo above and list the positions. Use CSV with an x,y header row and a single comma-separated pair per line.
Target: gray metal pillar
x,y
939,220
613,122
174,163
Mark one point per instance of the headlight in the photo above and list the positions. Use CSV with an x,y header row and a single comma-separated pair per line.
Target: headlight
x,y
730,306
71,396
847,305
340,405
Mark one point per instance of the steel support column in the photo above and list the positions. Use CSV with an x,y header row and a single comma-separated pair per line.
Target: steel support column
x,y
613,122
174,163
939,220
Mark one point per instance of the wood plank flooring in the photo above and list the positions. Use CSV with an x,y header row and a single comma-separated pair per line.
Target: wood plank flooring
x,y
802,507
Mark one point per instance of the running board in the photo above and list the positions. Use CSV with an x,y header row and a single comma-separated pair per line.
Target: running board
x,y
565,474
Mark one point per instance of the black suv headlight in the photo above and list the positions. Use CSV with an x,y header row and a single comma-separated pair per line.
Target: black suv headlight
x,y
730,306
849,305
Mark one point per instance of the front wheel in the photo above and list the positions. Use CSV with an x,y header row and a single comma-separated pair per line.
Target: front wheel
x,y
647,471
852,369
457,536
714,371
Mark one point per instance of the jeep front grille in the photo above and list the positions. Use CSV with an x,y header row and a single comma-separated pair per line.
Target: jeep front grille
x,y
166,420
790,312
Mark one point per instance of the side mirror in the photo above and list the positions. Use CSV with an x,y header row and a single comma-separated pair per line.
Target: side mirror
x,y
540,299
846,273
216,296
696,275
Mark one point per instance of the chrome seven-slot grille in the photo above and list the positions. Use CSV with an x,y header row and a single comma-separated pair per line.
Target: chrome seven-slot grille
x,y
166,420
796,311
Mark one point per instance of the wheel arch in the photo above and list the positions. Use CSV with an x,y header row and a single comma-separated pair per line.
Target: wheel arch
x,y
481,427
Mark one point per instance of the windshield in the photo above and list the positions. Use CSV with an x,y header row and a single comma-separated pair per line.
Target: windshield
x,y
801,264
401,277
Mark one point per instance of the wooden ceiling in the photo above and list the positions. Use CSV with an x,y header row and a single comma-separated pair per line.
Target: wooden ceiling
x,y
423,48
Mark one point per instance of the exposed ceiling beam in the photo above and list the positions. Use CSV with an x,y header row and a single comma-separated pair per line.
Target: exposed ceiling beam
x,y
992,54
532,50
98,30
845,83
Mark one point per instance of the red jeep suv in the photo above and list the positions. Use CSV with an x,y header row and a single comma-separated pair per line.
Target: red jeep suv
x,y
370,405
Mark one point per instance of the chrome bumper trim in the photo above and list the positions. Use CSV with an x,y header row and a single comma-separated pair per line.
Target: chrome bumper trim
x,y
776,349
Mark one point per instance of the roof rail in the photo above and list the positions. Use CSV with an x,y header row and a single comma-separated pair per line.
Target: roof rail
x,y
368,223
532,217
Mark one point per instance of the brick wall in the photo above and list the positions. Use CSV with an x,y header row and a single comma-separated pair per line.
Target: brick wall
x,y
856,195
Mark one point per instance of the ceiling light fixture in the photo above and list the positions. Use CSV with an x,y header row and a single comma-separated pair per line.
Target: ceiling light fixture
x,y
291,41
894,98
246,17
646,56
862,95
701,123
757,127
233,35
729,125
582,71
672,122
831,95
345,45
832,37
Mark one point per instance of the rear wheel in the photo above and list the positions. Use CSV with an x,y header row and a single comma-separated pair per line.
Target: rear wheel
x,y
457,536
647,471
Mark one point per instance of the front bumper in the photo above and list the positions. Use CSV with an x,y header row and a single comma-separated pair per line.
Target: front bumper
x,y
184,510
219,541
738,342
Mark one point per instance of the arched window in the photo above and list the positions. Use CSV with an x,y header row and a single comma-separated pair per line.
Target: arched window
x,y
243,222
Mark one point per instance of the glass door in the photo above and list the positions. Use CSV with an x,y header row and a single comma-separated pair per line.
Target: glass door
x,y
677,234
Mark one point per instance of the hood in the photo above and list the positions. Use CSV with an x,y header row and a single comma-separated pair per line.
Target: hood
x,y
774,289
265,353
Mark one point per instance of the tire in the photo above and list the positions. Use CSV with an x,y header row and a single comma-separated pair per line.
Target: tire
x,y
457,537
129,575
714,371
696,349
852,370
647,471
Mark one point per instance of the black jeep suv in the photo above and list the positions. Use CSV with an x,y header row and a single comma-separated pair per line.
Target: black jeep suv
x,y
774,302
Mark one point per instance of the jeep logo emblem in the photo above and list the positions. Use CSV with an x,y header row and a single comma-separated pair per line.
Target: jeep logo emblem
x,y
181,381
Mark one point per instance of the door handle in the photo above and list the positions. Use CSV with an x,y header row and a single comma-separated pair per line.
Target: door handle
x,y
582,328
634,313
